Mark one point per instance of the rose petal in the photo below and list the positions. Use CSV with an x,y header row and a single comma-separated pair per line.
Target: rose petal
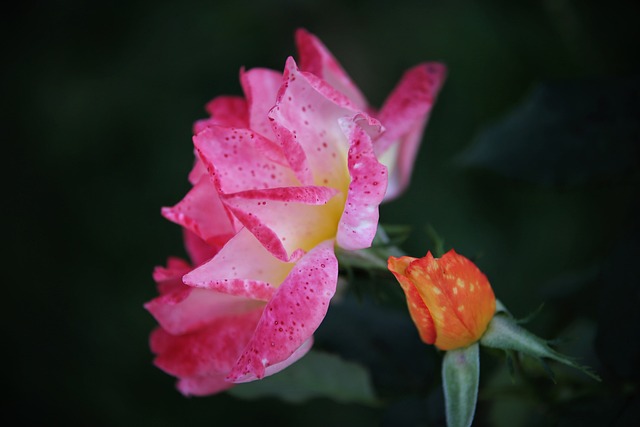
x,y
287,219
404,116
210,350
169,278
202,212
292,315
297,355
317,59
187,309
199,251
198,170
203,385
228,111
241,160
359,220
261,87
305,121
243,267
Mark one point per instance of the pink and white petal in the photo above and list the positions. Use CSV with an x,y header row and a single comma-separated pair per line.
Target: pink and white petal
x,y
292,315
277,367
305,121
202,212
261,87
213,349
243,267
359,220
288,219
317,59
199,251
240,159
188,309
169,278
410,102
228,111
203,385
198,170
297,355
404,115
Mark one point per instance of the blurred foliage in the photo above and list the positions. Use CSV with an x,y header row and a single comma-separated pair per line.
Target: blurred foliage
x,y
566,135
99,99
316,375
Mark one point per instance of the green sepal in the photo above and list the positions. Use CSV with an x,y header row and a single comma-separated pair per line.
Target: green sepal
x,y
460,380
504,333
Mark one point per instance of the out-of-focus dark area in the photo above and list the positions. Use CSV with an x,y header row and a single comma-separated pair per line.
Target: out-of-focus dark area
x,y
529,166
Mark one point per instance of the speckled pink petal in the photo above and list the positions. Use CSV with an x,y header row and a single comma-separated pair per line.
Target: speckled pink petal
x,y
404,115
243,268
305,120
228,111
203,385
286,219
187,309
317,59
199,251
212,349
260,87
297,355
292,315
169,278
198,170
240,160
202,212
359,220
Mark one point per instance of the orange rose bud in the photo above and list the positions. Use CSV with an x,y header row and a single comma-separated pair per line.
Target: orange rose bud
x,y
450,300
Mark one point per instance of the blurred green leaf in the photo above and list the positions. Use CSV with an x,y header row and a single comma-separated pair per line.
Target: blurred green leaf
x,y
565,134
382,338
316,375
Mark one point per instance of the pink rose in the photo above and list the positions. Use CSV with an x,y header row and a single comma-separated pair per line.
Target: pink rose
x,y
297,166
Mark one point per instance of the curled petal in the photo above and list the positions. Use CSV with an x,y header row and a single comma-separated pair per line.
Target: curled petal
x,y
405,114
305,121
186,309
228,111
243,267
197,171
209,350
315,58
292,315
359,220
203,385
261,87
202,212
297,355
287,219
199,251
241,160
169,278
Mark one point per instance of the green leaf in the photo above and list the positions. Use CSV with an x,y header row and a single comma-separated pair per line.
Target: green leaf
x,y
460,379
504,333
315,375
565,134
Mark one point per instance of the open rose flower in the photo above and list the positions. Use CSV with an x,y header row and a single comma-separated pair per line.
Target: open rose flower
x,y
450,300
297,166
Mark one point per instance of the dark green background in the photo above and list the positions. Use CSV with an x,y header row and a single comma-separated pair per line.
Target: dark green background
x,y
98,103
